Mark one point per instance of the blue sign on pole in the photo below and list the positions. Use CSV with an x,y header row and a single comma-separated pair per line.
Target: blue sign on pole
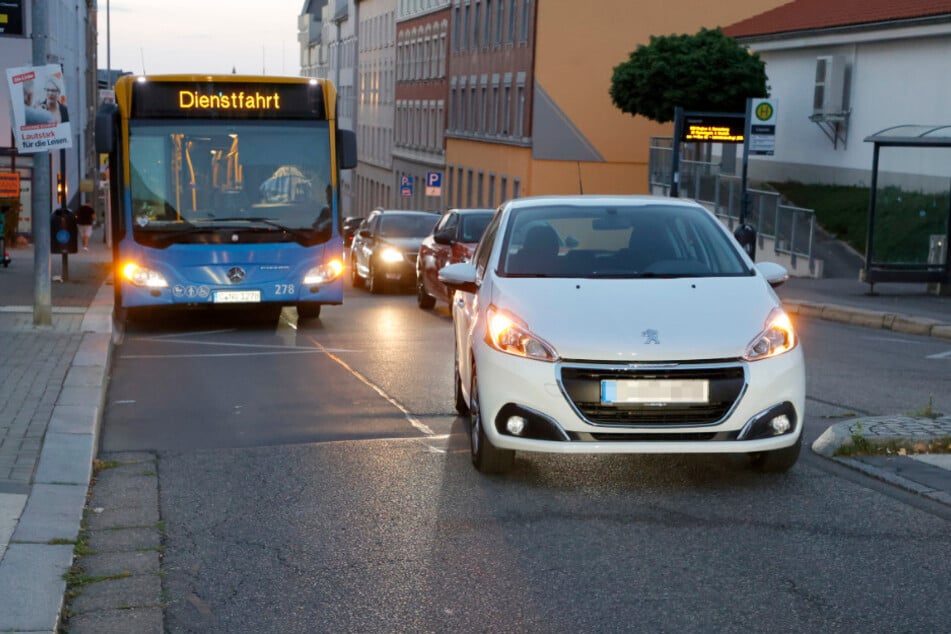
x,y
434,183
406,186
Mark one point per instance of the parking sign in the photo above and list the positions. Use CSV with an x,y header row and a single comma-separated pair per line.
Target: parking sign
x,y
434,183
406,186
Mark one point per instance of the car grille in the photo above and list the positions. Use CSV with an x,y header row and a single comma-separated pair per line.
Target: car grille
x,y
582,385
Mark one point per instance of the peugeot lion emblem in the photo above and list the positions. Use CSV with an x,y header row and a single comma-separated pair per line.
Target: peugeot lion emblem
x,y
651,336
236,274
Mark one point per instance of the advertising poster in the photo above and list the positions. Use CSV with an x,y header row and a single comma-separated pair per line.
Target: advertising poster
x,y
40,109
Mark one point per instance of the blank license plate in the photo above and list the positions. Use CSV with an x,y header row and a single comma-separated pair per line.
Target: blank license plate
x,y
655,391
237,297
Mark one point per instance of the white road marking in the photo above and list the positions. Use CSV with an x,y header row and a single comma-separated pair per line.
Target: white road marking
x,y
940,355
412,420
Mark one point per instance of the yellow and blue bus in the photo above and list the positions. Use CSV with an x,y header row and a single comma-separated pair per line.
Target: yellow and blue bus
x,y
224,191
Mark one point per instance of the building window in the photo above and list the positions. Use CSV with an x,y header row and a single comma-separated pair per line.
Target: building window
x,y
469,189
503,188
465,29
475,24
506,111
487,29
516,187
510,35
526,13
499,14
459,187
456,26
520,112
479,200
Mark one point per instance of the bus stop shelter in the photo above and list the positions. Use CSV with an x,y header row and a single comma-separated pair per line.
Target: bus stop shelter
x,y
909,216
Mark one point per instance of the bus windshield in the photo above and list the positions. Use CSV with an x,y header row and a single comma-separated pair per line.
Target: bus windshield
x,y
193,176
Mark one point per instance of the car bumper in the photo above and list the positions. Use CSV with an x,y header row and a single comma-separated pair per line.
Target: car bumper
x,y
536,391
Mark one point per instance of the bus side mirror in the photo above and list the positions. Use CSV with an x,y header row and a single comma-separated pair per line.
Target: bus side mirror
x,y
106,125
347,149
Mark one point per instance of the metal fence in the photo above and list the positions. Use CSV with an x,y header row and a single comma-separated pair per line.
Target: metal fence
x,y
791,229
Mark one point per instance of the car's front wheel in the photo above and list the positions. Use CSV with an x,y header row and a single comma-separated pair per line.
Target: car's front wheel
x,y
355,280
486,457
778,460
374,280
424,299
461,405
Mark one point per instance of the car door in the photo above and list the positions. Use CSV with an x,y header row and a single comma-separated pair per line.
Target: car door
x,y
363,244
466,306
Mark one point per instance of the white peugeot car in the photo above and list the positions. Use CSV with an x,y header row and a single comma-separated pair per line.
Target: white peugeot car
x,y
622,324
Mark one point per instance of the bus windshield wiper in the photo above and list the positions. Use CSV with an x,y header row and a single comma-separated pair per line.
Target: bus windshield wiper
x,y
299,232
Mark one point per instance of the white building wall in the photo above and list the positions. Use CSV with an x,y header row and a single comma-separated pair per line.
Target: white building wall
x,y
376,63
898,76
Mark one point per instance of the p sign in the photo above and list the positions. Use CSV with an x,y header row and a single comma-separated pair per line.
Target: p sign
x,y
406,186
434,183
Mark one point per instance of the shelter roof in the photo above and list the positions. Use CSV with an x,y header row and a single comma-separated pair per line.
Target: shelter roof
x,y
913,135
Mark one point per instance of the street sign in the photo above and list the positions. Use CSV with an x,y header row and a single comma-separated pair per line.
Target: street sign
x,y
763,127
406,186
434,183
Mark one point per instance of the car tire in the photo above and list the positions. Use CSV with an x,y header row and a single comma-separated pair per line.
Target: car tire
x,y
308,310
462,407
423,299
355,280
374,281
778,460
486,457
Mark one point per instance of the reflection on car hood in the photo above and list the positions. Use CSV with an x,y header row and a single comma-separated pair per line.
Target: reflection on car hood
x,y
641,319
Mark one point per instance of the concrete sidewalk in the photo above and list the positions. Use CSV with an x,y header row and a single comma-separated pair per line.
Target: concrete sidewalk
x,y
53,382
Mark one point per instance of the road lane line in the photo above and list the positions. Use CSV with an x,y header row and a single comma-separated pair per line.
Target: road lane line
x,y
412,420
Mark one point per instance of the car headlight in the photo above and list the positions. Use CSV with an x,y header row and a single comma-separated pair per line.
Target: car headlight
x,y
507,333
142,276
324,273
778,337
389,254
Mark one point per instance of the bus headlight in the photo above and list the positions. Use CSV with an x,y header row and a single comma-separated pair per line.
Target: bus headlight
x,y
142,276
324,273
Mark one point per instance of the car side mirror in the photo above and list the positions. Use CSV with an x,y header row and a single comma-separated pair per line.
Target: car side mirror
x,y
775,274
364,233
445,236
459,277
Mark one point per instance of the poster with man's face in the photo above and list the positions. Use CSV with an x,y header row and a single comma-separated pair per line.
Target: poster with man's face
x,y
40,110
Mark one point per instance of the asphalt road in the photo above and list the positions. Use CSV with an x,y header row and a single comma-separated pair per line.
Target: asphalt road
x,y
315,479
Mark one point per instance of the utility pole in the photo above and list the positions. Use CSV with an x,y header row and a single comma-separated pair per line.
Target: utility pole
x,y
42,294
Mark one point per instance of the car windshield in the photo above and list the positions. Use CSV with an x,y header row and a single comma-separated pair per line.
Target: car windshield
x,y
407,225
617,242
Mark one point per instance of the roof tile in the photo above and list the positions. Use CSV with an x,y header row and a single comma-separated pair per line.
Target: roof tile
x,y
808,15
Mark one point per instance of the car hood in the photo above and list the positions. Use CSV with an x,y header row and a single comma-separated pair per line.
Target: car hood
x,y
640,319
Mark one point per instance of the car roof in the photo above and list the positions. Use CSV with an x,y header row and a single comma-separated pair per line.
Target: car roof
x,y
596,200
406,212
470,210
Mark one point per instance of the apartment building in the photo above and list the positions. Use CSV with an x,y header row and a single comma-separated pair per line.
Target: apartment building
x,y
519,106
422,96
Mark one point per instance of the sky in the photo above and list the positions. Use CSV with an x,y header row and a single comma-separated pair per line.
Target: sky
x,y
252,37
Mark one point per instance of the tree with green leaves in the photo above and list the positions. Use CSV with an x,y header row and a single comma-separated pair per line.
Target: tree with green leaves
x,y
706,72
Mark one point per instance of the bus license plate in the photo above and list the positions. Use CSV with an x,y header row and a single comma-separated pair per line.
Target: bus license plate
x,y
237,297
655,391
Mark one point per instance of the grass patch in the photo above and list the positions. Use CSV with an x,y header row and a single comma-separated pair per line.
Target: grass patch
x,y
862,446
904,220
928,411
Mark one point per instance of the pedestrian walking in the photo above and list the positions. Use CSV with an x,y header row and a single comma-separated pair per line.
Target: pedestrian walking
x,y
85,219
